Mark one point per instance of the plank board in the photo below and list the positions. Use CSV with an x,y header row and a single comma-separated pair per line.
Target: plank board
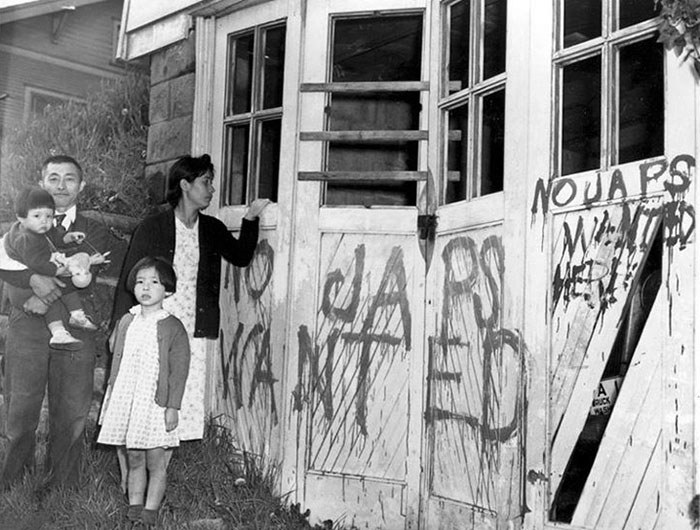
x,y
630,441
601,253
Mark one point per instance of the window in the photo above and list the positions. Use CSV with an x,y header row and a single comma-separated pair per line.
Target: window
x,y
610,84
374,110
37,100
472,99
253,114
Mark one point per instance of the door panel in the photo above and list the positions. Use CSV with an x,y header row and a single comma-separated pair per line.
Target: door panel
x,y
473,415
363,350
599,254
358,360
247,393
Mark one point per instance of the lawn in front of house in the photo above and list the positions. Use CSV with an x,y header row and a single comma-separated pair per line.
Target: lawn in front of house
x,y
210,486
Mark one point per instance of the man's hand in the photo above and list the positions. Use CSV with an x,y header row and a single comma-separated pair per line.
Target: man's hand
x,y
35,305
46,287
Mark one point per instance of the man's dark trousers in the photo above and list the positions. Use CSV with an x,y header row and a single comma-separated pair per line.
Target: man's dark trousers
x,y
29,366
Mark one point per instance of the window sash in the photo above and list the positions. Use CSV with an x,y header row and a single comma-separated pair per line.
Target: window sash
x,y
608,46
467,182
242,156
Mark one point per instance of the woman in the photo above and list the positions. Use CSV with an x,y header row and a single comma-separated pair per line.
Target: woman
x,y
194,243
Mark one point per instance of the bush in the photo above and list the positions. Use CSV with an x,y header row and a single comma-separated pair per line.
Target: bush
x,y
107,134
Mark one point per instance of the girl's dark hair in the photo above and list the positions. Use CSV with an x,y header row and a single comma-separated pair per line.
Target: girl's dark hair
x,y
31,197
187,168
163,268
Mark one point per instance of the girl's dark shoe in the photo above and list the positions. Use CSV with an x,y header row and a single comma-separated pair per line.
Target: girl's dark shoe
x,y
149,517
134,512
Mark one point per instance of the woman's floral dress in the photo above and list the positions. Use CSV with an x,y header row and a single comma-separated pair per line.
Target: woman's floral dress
x,y
182,304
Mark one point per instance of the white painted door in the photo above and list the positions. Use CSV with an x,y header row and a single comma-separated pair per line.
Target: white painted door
x,y
358,269
474,395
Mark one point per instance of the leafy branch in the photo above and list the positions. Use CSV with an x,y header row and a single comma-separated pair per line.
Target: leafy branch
x,y
680,28
107,134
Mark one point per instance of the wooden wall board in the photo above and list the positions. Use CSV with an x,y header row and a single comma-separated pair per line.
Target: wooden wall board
x,y
631,439
593,279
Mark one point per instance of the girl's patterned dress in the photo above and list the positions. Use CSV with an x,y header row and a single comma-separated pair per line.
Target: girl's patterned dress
x,y
182,304
130,415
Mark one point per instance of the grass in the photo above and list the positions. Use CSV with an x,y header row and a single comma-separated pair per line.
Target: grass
x,y
210,486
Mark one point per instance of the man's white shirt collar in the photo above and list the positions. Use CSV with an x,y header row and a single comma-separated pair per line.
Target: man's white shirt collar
x,y
69,219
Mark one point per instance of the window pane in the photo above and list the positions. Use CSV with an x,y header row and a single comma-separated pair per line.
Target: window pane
x,y
641,120
39,102
457,145
236,164
492,133
634,11
386,48
581,116
378,49
373,112
240,80
582,20
494,38
458,59
268,179
273,70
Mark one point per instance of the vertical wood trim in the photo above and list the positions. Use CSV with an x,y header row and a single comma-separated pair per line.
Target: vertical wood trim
x,y
696,299
122,41
537,49
679,367
202,119
201,143
285,277
426,205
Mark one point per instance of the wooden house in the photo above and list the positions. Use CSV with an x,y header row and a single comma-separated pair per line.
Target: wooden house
x,y
473,300
52,52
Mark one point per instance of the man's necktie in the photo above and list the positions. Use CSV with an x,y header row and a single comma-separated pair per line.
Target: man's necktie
x,y
60,229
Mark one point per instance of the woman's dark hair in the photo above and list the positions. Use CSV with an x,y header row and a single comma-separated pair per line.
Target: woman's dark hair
x,y
32,197
163,268
187,168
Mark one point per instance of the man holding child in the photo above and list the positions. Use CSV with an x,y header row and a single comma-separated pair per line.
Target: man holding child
x,y
31,364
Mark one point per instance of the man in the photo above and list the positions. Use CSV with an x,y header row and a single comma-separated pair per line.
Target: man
x,y
30,364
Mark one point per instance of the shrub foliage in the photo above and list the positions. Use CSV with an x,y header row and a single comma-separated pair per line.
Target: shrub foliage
x,y
107,134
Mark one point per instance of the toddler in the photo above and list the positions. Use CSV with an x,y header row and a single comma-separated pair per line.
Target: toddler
x,y
28,243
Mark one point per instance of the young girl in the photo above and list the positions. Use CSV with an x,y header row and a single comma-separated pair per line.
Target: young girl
x,y
150,363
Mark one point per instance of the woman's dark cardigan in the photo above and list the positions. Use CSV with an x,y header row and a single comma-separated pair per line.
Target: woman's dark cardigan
x,y
155,236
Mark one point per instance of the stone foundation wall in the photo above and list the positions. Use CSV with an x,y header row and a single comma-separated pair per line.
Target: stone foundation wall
x,y
170,111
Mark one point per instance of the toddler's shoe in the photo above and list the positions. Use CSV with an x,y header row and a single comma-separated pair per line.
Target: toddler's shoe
x,y
62,340
81,321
